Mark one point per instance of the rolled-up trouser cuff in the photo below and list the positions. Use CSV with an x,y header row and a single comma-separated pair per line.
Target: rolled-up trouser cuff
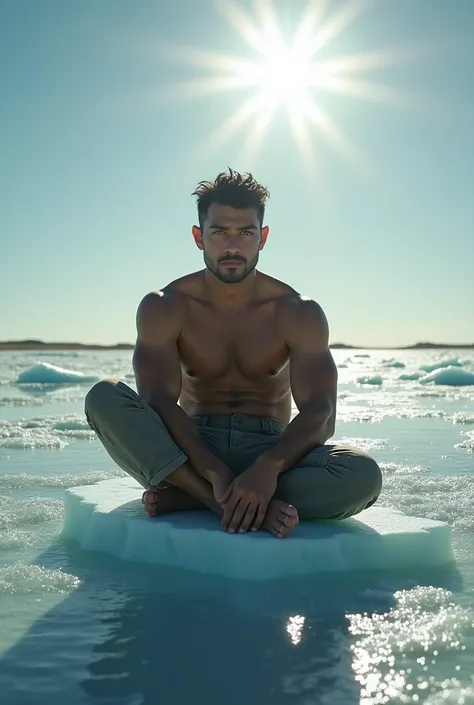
x,y
167,469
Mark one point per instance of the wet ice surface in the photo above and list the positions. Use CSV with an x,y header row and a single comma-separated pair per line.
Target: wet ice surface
x,y
86,629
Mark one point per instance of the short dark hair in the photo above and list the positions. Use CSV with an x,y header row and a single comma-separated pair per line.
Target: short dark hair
x,y
231,189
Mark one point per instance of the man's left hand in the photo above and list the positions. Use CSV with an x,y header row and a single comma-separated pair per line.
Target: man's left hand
x,y
246,499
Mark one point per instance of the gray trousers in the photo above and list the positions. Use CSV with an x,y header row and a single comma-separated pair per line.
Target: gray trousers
x,y
330,482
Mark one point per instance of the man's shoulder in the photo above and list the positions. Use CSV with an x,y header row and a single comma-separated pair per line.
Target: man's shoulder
x,y
299,307
171,297
293,307
302,306
301,316
288,297
187,285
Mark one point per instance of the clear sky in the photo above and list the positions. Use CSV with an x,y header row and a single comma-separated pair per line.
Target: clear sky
x,y
101,147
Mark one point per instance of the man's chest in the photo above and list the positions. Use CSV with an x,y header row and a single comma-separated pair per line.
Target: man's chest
x,y
251,345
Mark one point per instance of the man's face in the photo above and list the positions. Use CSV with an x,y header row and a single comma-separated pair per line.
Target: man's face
x,y
231,240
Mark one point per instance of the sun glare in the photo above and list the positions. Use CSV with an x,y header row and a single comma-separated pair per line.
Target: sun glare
x,y
282,76
286,75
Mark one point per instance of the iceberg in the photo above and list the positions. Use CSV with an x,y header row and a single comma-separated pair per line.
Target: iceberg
x,y
412,376
453,362
108,518
393,363
375,380
45,373
451,376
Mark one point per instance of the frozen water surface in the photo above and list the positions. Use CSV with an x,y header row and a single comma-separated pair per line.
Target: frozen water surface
x,y
82,627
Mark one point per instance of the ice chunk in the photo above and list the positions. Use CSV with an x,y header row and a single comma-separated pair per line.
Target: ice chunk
x,y
376,380
109,518
451,376
393,363
45,373
411,376
452,362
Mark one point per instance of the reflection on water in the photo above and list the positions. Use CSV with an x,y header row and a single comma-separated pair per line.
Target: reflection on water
x,y
152,635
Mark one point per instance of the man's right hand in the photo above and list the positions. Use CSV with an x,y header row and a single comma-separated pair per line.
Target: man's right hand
x,y
246,501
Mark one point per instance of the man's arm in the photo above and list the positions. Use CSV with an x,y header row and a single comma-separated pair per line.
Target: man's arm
x,y
157,368
313,377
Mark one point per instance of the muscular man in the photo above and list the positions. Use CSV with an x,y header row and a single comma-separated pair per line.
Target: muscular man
x,y
220,353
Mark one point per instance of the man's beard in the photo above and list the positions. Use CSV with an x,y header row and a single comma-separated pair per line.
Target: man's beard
x,y
229,276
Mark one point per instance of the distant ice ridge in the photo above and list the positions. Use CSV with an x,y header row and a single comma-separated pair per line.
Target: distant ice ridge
x,y
44,432
54,353
108,518
45,373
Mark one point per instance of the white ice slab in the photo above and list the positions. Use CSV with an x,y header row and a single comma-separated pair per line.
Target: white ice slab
x,y
108,517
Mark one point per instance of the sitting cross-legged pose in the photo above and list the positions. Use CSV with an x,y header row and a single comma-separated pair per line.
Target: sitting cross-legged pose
x,y
219,356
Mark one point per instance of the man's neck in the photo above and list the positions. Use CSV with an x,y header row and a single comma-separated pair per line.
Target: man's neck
x,y
230,296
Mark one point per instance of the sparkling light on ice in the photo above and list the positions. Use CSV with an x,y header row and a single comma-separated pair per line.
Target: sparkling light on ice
x,y
402,633
109,518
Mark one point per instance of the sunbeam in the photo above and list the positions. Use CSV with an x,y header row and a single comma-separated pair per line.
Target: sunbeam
x,y
286,76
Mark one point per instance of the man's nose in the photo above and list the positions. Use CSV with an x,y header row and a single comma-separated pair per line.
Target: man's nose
x,y
233,244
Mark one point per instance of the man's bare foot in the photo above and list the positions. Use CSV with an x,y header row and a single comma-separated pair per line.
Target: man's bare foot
x,y
220,483
168,499
281,518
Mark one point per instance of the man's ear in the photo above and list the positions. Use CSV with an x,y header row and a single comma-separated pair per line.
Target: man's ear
x,y
197,235
263,236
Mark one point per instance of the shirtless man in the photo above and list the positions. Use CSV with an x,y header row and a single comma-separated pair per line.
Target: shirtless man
x,y
220,353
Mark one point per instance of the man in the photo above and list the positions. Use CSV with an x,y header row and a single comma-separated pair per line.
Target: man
x,y
219,355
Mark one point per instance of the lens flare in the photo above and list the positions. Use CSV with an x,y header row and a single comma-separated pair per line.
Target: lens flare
x,y
287,75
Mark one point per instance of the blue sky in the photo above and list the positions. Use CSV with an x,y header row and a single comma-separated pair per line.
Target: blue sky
x,y
99,158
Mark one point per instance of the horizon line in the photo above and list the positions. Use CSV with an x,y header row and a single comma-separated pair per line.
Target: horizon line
x,y
32,343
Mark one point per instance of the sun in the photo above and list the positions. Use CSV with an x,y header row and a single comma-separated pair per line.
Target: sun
x,y
286,74
281,72
282,77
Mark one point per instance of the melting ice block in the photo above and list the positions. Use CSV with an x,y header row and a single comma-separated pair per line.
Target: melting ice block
x,y
108,517
45,373
376,379
452,362
452,376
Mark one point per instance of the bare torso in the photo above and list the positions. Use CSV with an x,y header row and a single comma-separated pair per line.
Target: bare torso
x,y
234,359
